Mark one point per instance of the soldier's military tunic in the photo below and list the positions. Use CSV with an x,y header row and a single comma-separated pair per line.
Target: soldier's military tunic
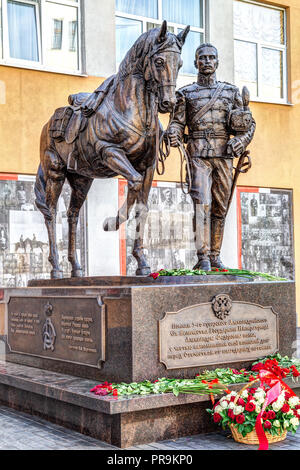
x,y
207,145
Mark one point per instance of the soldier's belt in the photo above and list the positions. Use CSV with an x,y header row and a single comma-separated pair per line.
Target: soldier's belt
x,y
208,134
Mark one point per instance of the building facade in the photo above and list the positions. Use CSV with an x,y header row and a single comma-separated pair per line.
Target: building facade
x,y
50,49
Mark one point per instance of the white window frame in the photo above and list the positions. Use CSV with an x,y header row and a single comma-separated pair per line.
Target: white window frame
x,y
40,8
177,26
268,45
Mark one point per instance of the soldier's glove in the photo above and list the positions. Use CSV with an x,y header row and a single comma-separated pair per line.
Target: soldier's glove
x,y
235,147
172,137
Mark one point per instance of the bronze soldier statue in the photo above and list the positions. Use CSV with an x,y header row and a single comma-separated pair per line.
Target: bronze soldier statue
x,y
220,127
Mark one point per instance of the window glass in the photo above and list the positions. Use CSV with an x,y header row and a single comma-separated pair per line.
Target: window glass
x,y
148,8
57,34
127,32
61,36
258,22
188,12
22,31
157,25
245,64
272,79
193,40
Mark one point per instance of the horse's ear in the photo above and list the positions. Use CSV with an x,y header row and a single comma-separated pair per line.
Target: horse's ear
x,y
183,34
162,35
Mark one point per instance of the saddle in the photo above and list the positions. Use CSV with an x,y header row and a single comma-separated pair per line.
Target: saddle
x,y
69,121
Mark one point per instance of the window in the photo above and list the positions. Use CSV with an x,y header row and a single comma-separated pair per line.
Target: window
x,y
260,50
40,34
134,17
57,34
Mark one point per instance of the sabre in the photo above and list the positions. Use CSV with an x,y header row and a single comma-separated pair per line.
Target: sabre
x,y
244,162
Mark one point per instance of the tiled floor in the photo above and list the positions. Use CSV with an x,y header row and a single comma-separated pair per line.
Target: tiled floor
x,y
20,431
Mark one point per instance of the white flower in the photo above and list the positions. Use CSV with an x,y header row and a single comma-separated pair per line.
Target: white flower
x,y
218,409
231,405
238,410
298,412
257,408
286,424
277,405
224,404
294,421
276,423
293,401
290,413
245,394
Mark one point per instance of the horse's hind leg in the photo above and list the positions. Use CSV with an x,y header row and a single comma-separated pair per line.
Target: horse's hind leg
x,y
80,187
54,183
141,214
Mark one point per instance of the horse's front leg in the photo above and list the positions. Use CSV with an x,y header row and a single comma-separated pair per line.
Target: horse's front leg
x,y
80,187
117,161
141,215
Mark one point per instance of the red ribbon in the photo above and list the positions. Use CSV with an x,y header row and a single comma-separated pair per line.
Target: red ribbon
x,y
276,384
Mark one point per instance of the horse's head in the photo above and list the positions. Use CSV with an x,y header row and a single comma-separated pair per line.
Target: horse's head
x,y
162,64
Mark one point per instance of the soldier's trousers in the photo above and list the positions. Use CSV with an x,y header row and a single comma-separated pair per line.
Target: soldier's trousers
x,y
210,190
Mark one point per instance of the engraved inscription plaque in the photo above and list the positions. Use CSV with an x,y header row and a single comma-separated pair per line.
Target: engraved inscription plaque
x,y
196,337
60,328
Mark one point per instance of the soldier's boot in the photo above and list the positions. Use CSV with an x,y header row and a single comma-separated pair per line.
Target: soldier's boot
x,y
201,224
217,233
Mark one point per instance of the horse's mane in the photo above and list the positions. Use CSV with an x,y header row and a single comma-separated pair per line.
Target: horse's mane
x,y
143,46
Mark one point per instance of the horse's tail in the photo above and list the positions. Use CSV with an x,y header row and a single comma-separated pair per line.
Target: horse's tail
x,y
40,193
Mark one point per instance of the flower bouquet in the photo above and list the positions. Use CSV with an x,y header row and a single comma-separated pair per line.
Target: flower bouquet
x,y
258,414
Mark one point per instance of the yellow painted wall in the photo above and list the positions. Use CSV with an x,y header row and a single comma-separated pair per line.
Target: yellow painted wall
x,y
31,97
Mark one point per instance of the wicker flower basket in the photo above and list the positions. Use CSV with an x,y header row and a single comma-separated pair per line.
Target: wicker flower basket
x,y
251,438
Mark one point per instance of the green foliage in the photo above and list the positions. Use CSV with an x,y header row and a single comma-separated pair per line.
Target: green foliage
x,y
231,272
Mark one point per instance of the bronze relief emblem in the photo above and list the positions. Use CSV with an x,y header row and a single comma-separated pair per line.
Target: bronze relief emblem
x,y
221,305
49,333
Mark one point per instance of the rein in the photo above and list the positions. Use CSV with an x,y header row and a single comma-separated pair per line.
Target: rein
x,y
163,150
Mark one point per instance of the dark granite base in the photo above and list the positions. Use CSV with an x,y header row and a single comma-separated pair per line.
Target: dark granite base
x,y
123,422
132,314
120,281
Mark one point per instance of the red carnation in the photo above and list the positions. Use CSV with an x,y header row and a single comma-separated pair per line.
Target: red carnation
x,y
241,402
295,372
264,415
231,414
267,425
297,407
115,392
240,419
101,391
271,414
257,367
250,406
217,417
154,275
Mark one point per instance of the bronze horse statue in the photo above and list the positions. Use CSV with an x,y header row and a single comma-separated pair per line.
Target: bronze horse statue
x,y
114,131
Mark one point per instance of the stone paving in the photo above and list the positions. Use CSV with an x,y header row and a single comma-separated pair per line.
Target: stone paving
x,y
20,431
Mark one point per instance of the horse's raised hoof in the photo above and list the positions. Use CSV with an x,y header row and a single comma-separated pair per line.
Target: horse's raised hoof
x,y
77,273
143,271
56,274
110,224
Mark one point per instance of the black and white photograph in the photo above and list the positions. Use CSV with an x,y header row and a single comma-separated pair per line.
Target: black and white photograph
x,y
267,233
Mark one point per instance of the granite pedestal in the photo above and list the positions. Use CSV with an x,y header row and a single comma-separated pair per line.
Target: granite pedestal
x,y
65,336
103,330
